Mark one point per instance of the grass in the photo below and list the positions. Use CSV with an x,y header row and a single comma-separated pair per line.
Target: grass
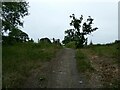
x,y
107,58
111,53
108,51
19,59
71,45
83,62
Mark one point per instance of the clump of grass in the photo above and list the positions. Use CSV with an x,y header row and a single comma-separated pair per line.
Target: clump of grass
x,y
83,62
19,59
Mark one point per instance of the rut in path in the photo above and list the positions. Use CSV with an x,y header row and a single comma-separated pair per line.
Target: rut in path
x,y
64,72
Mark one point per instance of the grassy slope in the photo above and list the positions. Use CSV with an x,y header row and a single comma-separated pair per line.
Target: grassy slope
x,y
83,62
104,61
18,60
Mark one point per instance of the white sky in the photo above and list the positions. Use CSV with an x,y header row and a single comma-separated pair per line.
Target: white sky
x,y
50,18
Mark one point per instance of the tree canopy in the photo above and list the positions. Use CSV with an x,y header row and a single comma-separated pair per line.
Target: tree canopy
x,y
79,31
12,18
12,14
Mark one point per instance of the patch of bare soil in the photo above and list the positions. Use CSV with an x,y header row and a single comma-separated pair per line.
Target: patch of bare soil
x,y
61,72
106,71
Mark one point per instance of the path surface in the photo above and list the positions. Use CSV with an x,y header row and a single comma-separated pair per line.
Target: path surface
x,y
61,72
64,72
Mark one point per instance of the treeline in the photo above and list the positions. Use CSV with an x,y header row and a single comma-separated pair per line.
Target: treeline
x,y
47,40
107,44
9,40
12,19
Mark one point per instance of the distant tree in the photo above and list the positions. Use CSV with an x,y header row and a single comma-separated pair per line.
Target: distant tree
x,y
45,40
53,40
31,40
117,41
38,40
79,31
91,42
56,41
24,37
16,33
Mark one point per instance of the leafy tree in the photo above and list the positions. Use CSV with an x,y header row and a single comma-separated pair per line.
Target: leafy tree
x,y
79,31
12,14
12,18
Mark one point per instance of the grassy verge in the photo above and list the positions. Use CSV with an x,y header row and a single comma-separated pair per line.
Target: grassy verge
x,y
108,51
105,60
110,56
83,63
18,60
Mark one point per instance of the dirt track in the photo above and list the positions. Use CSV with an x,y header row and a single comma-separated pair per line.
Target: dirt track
x,y
64,72
61,72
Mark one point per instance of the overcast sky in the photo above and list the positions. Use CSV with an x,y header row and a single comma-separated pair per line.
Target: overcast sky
x,y
50,18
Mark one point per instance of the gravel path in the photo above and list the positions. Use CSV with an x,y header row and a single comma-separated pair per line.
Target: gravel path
x,y
64,72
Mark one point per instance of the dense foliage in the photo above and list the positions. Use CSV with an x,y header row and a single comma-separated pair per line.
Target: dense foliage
x,y
79,31
12,19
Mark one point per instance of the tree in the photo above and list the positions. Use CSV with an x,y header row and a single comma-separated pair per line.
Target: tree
x,y
45,40
56,41
12,14
31,40
12,18
91,42
79,31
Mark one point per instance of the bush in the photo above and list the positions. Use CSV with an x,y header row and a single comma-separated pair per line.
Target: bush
x,y
70,45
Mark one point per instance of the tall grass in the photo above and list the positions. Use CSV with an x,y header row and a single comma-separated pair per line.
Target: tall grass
x,y
19,59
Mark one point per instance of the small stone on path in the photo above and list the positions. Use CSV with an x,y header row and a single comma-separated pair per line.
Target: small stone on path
x,y
80,82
